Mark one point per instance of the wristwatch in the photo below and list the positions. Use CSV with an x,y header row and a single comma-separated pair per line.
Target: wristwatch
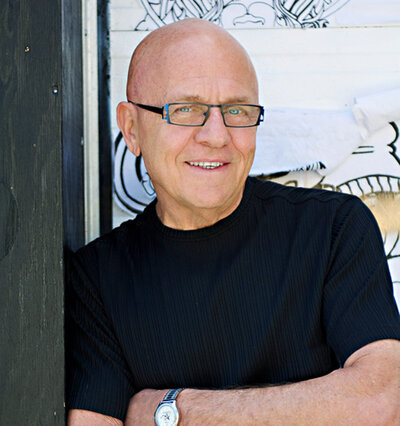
x,y
167,413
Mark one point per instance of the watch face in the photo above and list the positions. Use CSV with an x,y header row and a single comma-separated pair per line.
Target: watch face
x,y
166,415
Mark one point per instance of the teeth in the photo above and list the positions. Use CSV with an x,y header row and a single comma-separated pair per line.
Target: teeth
x,y
206,164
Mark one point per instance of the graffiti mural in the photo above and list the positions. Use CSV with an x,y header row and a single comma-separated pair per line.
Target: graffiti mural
x,y
235,13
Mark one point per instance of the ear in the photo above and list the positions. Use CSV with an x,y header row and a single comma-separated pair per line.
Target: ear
x,y
127,119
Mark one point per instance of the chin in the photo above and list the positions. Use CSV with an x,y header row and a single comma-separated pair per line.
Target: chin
x,y
213,201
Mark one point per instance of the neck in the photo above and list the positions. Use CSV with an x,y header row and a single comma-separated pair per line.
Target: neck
x,y
187,219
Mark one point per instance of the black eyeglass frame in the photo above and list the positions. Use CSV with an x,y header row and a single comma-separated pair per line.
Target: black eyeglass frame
x,y
160,110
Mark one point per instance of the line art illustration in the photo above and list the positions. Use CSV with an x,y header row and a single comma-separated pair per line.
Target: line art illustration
x,y
234,13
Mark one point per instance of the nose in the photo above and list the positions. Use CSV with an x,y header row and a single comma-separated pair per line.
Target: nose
x,y
214,132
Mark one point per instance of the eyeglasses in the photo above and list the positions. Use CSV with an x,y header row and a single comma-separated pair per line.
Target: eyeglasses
x,y
194,114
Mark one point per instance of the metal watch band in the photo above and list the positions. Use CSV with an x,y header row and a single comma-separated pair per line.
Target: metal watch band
x,y
172,394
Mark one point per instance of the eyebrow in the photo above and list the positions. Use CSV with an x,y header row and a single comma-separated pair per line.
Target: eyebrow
x,y
198,99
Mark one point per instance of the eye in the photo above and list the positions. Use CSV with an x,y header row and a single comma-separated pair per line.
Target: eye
x,y
185,108
235,110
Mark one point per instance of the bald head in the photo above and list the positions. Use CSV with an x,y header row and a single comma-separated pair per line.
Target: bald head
x,y
184,45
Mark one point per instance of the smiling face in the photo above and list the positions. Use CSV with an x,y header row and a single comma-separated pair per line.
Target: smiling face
x,y
198,173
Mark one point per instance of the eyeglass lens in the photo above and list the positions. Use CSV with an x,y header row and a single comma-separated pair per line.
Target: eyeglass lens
x,y
192,114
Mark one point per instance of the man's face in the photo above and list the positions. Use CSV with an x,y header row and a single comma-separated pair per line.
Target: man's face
x,y
208,72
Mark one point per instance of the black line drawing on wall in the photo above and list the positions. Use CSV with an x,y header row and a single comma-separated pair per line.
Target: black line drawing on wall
x,y
133,189
241,13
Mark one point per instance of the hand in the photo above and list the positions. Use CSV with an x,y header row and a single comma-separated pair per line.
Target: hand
x,y
142,407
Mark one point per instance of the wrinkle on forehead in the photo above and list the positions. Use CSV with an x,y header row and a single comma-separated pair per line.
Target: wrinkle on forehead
x,y
189,44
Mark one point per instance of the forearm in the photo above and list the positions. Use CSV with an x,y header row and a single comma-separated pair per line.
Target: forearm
x,y
326,400
365,392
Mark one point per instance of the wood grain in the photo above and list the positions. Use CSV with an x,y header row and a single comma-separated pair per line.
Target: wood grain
x,y
34,57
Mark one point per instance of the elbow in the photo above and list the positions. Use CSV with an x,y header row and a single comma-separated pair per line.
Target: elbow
x,y
378,382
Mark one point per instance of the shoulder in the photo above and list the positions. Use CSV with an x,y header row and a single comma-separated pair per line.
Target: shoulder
x,y
315,199
113,239
117,240
106,256
310,208
107,252
285,200
296,195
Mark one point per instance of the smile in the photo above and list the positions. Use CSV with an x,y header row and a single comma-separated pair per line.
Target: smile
x,y
206,164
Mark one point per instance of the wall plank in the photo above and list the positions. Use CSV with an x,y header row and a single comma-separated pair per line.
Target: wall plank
x,y
72,119
105,138
32,51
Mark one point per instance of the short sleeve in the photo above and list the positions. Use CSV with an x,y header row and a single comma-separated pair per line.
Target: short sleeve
x,y
358,305
98,378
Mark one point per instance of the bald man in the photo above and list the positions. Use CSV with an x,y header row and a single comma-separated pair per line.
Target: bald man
x,y
229,300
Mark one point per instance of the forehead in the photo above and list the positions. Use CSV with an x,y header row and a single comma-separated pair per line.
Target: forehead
x,y
197,67
209,89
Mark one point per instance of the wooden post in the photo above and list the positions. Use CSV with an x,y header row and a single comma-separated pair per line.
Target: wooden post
x,y
40,172
105,138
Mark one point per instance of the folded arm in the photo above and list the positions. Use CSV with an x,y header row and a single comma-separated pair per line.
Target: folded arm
x,y
366,391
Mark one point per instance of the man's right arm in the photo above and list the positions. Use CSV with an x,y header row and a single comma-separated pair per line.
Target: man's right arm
x,y
98,377
90,418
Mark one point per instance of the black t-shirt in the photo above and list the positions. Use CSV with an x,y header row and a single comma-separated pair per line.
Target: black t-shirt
x,y
282,290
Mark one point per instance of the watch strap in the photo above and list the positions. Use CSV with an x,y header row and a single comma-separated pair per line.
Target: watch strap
x,y
172,394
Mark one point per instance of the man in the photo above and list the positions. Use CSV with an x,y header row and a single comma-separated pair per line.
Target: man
x,y
267,304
